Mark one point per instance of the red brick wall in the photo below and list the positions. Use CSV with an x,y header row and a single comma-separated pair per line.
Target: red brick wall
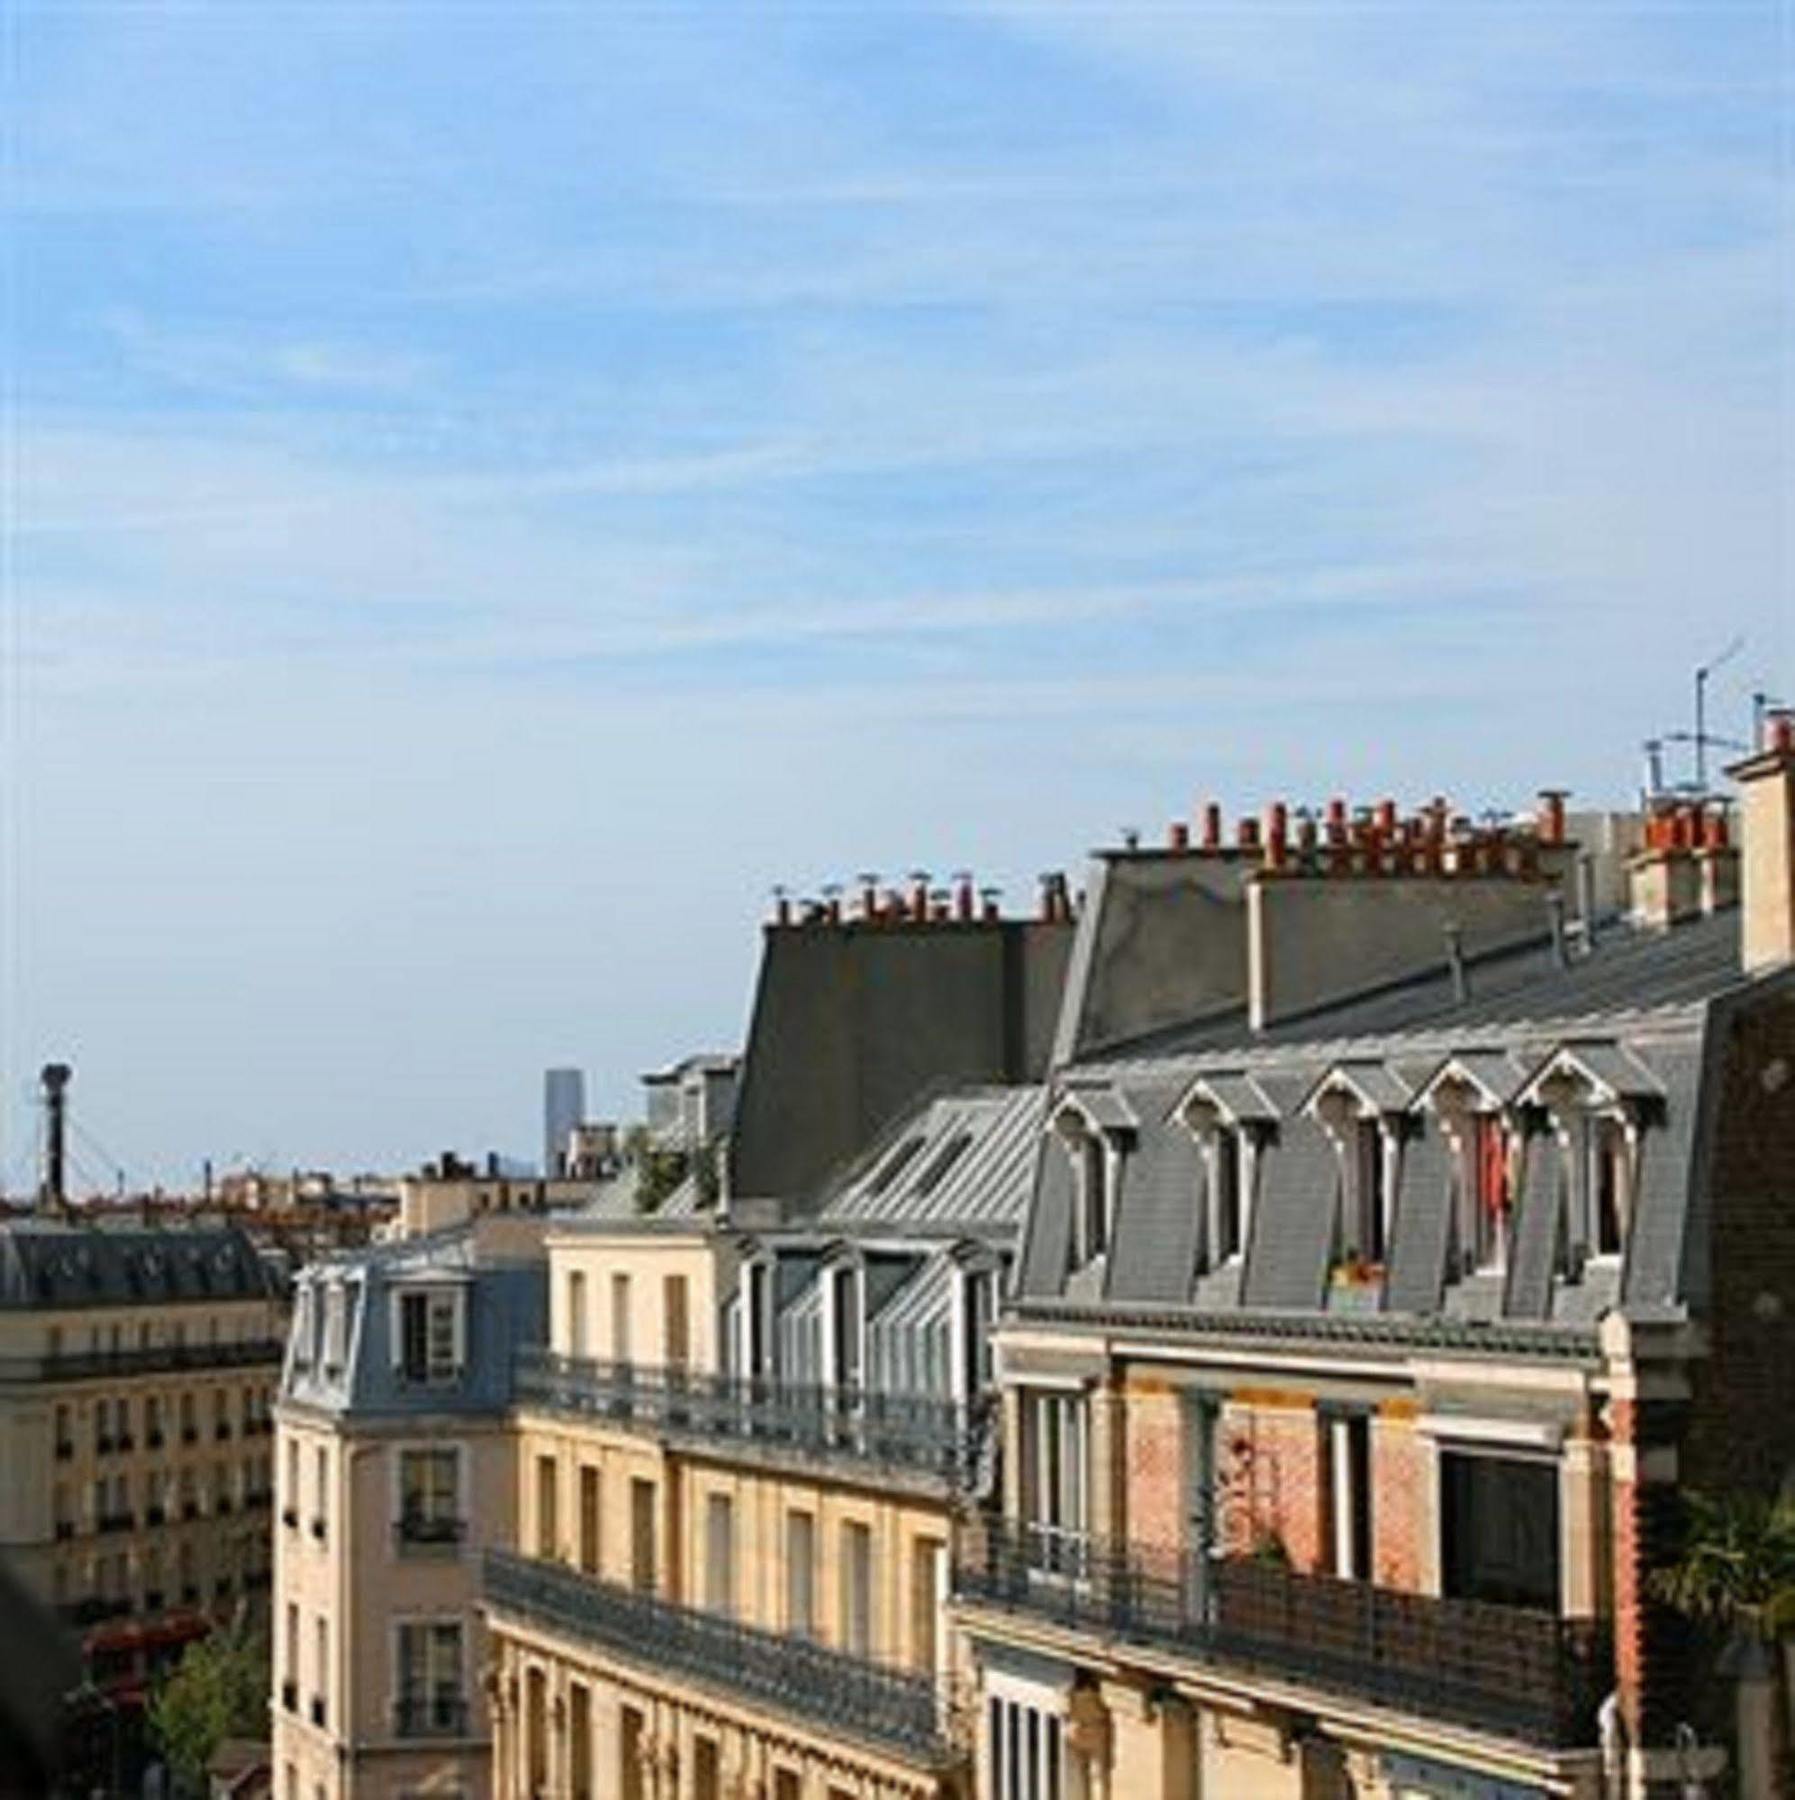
x,y
1272,1476
1400,1515
1153,1440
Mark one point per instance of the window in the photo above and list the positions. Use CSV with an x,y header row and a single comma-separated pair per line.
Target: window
x,y
291,1690
1024,1753
1499,1529
980,1307
1487,1235
1348,1463
676,1324
800,1574
1090,1219
589,1518
928,1596
641,1502
579,1740
1227,1213
944,1159
856,1588
845,1332
719,1554
707,1771
1053,1476
620,1319
429,1676
548,1529
1607,1185
293,1480
631,1728
1365,1231
430,1495
320,1491
320,1669
576,1314
102,1426
430,1335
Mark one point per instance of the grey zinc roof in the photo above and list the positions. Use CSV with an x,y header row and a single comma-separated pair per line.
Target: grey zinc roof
x,y
1238,1095
1627,972
56,1263
984,1182
1635,1014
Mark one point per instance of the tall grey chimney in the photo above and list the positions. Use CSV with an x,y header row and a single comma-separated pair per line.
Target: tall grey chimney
x,y
53,1195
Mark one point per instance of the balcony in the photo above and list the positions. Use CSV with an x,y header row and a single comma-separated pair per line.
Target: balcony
x,y
95,1611
64,1450
221,1431
414,1532
146,1359
102,1444
117,1521
153,1439
153,1514
889,1707
899,1434
1498,1668
123,1442
289,1517
152,1600
430,1715
318,1709
289,1695
189,1509
318,1530
190,1593
189,1434
65,1528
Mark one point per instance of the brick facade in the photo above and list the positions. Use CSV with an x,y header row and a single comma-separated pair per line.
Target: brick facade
x,y
1272,1477
1400,1508
1154,1434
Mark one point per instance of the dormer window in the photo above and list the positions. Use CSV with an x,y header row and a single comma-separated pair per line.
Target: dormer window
x,y
1227,1195
1368,1229
1093,1123
1090,1231
429,1336
1607,1185
1490,1194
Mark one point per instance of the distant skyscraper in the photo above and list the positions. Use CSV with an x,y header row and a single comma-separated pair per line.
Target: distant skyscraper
x,y
563,1107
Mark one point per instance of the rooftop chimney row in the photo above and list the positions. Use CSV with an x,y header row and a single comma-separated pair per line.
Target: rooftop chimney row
x,y
1375,840
964,903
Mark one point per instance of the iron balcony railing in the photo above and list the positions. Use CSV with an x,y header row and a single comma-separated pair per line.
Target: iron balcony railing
x,y
1508,1669
420,1530
827,1688
430,1715
145,1359
905,1433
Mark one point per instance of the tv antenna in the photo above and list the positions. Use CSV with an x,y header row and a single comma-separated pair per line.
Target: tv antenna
x,y
1701,737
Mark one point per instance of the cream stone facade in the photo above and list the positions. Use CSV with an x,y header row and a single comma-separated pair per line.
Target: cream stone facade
x,y
395,1463
137,1372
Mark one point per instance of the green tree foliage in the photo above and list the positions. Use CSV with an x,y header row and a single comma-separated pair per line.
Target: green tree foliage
x,y
218,1690
1736,1566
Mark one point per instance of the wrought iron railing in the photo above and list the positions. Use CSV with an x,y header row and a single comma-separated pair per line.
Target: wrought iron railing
x,y
430,1715
891,1707
415,1530
914,1433
144,1359
1500,1668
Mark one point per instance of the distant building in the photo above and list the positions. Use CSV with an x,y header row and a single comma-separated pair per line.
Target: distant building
x,y
563,1109
453,1190
137,1370
691,1104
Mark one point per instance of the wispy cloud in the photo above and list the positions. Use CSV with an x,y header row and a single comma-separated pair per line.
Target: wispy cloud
x,y
460,437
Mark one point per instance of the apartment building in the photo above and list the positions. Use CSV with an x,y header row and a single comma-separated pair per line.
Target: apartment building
x,y
1402,1241
394,1468
137,1369
738,1463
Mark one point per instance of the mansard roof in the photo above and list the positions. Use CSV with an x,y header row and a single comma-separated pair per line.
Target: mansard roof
x,y
1632,1015
56,1263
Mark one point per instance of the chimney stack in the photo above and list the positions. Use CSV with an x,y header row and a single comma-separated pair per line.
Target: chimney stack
x,y
1767,819
54,1195
1665,884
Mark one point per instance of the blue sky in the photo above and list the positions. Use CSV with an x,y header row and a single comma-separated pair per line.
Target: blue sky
x,y
491,488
